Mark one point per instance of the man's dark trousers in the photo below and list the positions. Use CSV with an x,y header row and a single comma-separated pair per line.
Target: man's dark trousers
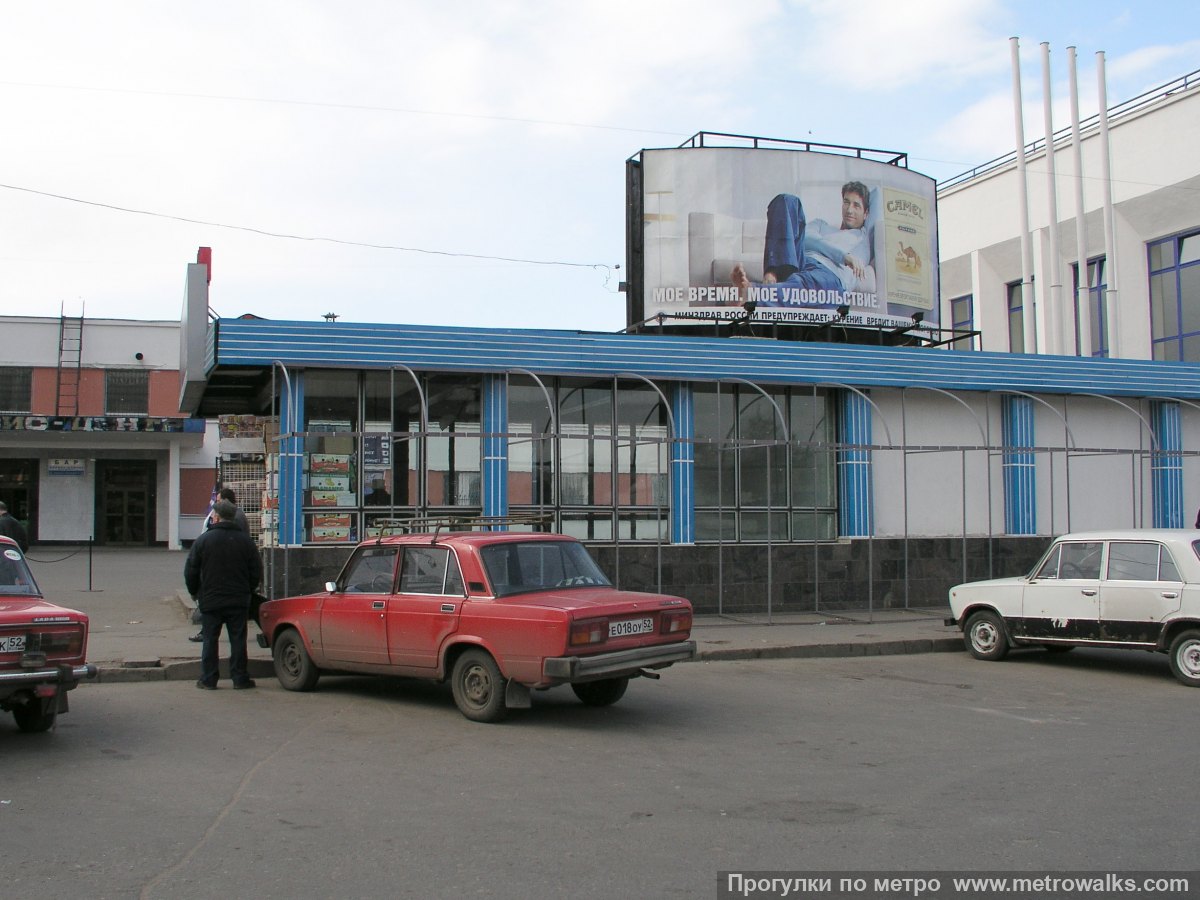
x,y
234,620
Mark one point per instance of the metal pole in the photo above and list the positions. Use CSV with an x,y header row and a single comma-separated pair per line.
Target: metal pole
x,y
1054,315
1027,303
1111,305
1083,306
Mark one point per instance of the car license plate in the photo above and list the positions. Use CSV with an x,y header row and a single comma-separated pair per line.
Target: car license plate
x,y
630,626
13,643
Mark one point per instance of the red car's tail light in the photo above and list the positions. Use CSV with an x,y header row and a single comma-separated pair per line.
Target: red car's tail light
x,y
676,621
588,631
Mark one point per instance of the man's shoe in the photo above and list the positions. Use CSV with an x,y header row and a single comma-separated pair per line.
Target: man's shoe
x,y
244,685
197,637
205,686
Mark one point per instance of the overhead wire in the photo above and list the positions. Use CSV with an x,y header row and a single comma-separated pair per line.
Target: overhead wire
x,y
328,105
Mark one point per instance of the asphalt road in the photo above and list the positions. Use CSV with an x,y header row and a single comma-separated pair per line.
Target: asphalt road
x,y
374,787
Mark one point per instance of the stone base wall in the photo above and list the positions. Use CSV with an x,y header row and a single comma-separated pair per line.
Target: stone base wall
x,y
880,573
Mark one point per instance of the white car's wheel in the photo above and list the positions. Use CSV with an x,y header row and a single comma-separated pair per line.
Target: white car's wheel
x,y
1185,658
985,636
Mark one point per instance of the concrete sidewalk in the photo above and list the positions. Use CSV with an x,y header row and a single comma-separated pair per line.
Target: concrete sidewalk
x,y
140,620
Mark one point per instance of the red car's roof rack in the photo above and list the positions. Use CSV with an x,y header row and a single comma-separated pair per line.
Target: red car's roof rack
x,y
436,524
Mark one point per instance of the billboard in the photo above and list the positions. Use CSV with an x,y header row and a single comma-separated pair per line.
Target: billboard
x,y
806,237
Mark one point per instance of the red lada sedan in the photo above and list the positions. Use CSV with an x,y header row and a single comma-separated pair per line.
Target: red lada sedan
x,y
498,613
42,646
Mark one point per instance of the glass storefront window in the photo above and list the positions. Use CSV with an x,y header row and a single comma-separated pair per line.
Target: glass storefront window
x,y
530,446
643,433
762,460
452,476
813,464
745,464
643,526
588,526
585,421
330,461
716,425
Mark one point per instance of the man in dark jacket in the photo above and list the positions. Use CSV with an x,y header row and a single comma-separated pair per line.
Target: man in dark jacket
x,y
223,569
239,519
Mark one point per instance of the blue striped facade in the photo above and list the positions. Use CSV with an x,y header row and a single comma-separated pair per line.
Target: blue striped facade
x,y
683,466
495,446
259,342
493,353
1167,465
291,465
1020,471
855,510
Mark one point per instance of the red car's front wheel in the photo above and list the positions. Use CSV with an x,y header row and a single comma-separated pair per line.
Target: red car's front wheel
x,y
293,666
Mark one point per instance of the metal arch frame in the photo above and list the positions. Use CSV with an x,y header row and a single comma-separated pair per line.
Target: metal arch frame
x,y
1149,428
1193,404
286,431
986,445
870,402
1068,434
553,435
1138,511
422,435
671,442
770,536
420,393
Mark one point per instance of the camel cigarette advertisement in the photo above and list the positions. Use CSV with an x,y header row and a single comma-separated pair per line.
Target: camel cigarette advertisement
x,y
806,237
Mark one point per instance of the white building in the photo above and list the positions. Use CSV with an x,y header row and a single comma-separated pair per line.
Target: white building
x,y
1151,308
93,445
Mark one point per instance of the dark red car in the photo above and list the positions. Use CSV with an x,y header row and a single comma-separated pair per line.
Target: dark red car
x,y
42,646
497,613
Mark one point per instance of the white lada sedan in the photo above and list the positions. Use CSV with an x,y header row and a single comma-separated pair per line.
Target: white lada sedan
x,y
1136,589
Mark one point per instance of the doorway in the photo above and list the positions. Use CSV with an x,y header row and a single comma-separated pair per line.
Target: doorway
x,y
125,502
19,490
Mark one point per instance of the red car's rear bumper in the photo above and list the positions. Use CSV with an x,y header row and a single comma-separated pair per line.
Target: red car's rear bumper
x,y
617,664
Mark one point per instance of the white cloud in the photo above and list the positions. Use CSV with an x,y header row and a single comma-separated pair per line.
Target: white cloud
x,y
885,46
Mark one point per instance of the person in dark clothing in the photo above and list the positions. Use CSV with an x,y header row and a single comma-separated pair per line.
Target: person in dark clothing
x,y
222,570
239,519
10,527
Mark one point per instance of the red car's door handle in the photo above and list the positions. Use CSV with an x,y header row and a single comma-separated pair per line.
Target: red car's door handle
x,y
378,604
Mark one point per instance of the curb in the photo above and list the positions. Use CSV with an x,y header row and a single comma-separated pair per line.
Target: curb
x,y
125,671
825,651
176,669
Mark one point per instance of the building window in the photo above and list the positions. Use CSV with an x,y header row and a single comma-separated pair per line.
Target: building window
x,y
1175,297
126,392
16,389
962,318
1097,288
1016,319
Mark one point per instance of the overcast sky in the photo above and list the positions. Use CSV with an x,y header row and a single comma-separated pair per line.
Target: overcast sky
x,y
463,162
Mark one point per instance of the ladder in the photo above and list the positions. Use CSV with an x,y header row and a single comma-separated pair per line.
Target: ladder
x,y
70,362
